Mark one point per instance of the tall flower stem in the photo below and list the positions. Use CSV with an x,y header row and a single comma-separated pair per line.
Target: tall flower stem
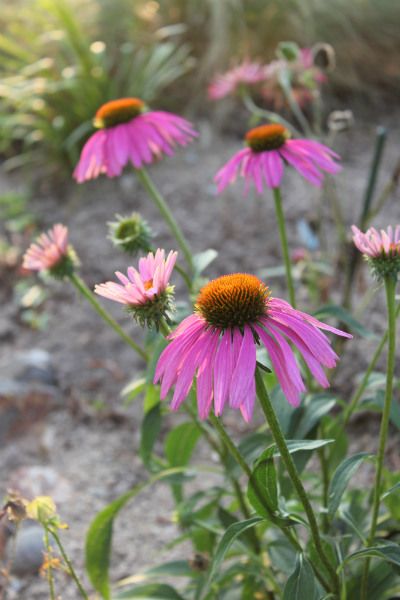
x,y
294,476
284,244
355,399
390,287
69,565
166,214
86,293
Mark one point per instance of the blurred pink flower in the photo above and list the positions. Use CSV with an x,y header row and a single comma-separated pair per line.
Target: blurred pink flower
x,y
129,133
217,346
142,286
377,244
48,251
244,74
268,149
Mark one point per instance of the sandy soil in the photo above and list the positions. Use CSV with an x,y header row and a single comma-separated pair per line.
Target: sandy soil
x,y
95,450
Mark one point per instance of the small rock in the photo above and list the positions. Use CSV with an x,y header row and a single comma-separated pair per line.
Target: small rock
x,y
37,366
27,550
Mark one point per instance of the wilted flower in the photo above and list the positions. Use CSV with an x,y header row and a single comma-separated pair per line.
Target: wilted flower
x,y
245,74
131,233
304,75
128,132
217,345
268,149
381,249
50,253
146,292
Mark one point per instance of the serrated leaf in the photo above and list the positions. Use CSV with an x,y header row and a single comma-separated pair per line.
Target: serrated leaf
x,y
301,584
341,478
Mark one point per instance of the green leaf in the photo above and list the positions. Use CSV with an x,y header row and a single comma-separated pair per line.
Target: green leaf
x,y
150,430
180,444
230,535
342,315
303,445
309,414
263,482
301,585
389,552
133,389
203,259
391,490
173,568
341,478
149,591
99,535
152,397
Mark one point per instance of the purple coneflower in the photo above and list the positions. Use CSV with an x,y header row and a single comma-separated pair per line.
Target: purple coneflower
x,y
247,73
146,292
268,149
381,249
128,132
49,251
217,345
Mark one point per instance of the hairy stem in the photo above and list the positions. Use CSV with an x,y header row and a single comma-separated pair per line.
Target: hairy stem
x,y
390,286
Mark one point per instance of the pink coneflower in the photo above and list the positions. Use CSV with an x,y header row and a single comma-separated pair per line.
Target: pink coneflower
x,y
145,292
268,149
217,345
129,133
382,249
245,74
49,250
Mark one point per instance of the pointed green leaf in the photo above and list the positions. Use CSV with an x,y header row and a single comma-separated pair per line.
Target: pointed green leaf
x,y
149,591
341,478
203,259
230,535
180,443
341,314
301,585
150,430
389,552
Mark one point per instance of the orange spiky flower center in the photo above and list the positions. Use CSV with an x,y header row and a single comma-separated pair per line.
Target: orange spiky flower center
x,y
267,137
119,111
148,284
233,300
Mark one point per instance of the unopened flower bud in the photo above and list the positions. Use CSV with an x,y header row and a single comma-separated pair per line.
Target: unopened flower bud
x,y
131,233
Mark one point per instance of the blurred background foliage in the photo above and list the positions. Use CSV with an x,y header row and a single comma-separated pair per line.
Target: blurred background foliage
x,y
61,59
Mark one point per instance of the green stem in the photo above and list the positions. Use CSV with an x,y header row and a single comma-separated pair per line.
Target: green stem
x,y
69,565
85,291
184,276
166,214
50,578
266,114
364,382
390,286
284,244
325,482
294,476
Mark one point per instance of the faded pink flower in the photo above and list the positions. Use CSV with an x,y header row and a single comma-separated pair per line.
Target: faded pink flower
x,y
128,133
244,74
377,244
381,249
140,287
217,346
268,149
146,292
49,250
